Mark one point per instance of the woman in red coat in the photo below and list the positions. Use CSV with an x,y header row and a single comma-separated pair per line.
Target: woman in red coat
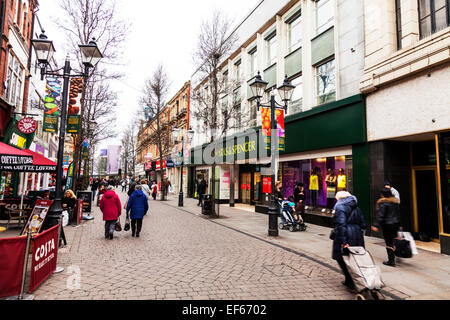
x,y
111,209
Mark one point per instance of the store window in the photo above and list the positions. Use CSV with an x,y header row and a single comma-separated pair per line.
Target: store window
x,y
295,34
324,15
7,185
321,178
297,97
444,151
326,82
271,50
238,69
253,62
433,16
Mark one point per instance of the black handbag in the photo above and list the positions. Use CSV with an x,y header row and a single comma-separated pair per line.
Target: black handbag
x,y
127,223
332,234
118,227
402,248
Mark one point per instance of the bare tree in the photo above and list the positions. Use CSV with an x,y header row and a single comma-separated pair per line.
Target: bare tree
x,y
129,147
215,44
84,21
153,98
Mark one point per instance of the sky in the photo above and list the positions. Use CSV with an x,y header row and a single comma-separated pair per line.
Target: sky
x,y
161,32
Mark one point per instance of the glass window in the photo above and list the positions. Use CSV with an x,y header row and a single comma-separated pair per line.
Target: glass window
x,y
271,50
324,15
444,151
295,34
326,82
433,16
238,70
296,104
253,63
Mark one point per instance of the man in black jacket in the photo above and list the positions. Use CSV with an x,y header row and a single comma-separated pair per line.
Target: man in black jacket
x,y
388,218
201,190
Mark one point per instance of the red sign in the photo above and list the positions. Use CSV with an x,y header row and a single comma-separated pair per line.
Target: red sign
x,y
12,251
158,164
45,254
27,125
267,184
79,211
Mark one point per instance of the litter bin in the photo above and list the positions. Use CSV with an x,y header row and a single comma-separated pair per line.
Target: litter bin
x,y
207,204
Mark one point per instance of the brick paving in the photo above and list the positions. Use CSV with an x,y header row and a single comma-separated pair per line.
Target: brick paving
x,y
183,256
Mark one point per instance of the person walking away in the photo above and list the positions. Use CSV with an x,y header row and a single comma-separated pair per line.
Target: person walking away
x,y
131,188
146,188
394,192
68,202
154,189
278,198
138,206
111,208
94,188
348,231
201,190
388,218
299,199
124,185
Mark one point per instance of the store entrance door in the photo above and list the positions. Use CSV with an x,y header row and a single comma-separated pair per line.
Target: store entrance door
x,y
426,202
245,187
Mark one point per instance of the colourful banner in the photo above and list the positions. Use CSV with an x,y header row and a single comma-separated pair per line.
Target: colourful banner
x,y
266,130
51,104
73,112
281,129
69,177
12,251
45,254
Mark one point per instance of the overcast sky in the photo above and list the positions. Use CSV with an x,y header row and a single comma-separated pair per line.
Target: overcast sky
x,y
161,32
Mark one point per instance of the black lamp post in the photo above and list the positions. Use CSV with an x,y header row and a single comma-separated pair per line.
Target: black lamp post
x,y
90,56
175,134
285,91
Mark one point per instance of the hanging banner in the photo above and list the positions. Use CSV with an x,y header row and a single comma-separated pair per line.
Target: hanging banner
x,y
69,177
281,130
11,265
45,254
51,104
266,130
73,112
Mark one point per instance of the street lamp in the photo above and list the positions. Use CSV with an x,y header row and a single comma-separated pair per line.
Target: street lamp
x,y
175,135
285,91
90,57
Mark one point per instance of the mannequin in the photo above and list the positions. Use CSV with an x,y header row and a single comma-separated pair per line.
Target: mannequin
x,y
341,181
331,181
314,188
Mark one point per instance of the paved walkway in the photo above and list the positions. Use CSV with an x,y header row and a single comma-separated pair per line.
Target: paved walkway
x,y
182,254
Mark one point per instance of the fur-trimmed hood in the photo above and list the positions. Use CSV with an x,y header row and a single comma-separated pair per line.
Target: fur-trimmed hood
x,y
393,200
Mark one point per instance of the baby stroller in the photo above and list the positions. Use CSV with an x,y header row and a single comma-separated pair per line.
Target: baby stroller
x,y
290,223
365,274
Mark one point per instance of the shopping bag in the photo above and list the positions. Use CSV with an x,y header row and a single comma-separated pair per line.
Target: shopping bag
x,y
408,236
402,248
65,218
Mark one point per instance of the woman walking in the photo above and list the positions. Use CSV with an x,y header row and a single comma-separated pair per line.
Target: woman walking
x,y
111,209
348,230
388,218
138,205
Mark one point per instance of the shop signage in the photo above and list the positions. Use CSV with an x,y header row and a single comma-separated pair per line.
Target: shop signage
x,y
169,163
158,164
51,104
73,112
40,150
237,149
27,125
66,160
15,160
267,185
148,166
37,217
45,253
17,141
148,156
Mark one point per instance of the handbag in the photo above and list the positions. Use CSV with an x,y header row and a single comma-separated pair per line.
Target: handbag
x,y
402,248
127,223
118,227
332,234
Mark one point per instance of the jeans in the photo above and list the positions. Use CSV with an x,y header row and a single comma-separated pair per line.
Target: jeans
x,y
94,193
389,234
200,197
109,227
314,197
124,188
136,226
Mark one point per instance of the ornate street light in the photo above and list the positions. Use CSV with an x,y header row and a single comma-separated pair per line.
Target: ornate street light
x,y
285,91
44,51
175,135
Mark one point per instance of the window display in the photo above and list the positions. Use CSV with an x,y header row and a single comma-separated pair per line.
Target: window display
x,y
321,178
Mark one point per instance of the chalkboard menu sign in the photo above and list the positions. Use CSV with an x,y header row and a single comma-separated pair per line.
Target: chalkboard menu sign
x,y
86,196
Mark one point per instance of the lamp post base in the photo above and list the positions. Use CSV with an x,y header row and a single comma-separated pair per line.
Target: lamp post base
x,y
273,220
180,199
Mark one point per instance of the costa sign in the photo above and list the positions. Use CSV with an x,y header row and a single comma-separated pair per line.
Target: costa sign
x,y
27,125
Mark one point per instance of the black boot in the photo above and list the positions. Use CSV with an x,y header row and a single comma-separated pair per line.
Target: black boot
x,y
391,258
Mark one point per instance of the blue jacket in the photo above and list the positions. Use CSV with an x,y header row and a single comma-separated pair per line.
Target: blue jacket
x,y
349,225
137,204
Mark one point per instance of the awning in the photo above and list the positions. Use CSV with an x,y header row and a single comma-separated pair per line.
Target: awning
x,y
13,159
